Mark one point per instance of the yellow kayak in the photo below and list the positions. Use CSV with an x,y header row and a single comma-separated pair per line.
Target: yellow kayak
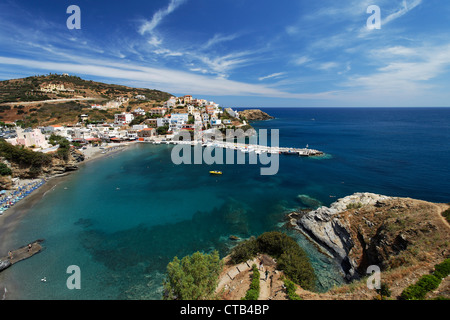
x,y
216,172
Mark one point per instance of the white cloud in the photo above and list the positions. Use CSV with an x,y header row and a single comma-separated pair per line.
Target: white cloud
x,y
154,41
164,79
400,81
218,38
327,65
149,26
301,60
407,6
271,76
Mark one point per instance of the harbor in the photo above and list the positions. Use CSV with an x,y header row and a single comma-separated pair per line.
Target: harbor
x,y
247,148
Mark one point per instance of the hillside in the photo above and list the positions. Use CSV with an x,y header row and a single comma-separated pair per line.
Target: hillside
x,y
56,99
405,237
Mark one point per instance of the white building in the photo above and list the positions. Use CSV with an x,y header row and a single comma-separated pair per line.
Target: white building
x,y
123,118
232,113
177,121
139,112
30,138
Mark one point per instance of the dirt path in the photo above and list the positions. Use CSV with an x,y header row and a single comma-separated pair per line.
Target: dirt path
x,y
264,284
234,281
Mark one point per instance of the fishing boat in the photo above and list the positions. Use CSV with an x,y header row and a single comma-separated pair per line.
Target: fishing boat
x,y
217,173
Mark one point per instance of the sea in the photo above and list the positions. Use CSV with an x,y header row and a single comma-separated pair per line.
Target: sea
x,y
121,219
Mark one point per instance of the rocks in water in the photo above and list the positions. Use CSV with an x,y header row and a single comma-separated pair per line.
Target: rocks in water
x,y
309,201
324,227
4,264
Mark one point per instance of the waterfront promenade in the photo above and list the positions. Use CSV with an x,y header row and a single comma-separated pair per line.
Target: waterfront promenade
x,y
248,148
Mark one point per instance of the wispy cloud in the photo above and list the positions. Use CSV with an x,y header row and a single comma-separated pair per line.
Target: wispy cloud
x,y
218,38
272,76
299,61
327,65
169,79
406,7
149,26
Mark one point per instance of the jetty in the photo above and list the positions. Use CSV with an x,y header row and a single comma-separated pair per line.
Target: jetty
x,y
20,254
249,148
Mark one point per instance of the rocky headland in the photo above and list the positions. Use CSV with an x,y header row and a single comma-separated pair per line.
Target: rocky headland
x,y
364,229
254,115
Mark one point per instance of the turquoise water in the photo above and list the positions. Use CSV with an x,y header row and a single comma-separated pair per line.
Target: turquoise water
x,y
121,219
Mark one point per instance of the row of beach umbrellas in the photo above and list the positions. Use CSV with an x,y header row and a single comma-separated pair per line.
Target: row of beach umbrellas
x,y
7,201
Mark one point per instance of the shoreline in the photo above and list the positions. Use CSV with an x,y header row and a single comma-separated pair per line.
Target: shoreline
x,y
12,217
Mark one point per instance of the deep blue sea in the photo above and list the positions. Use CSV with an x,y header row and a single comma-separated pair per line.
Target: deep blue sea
x,y
122,218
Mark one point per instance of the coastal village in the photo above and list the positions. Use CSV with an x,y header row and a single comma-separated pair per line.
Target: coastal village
x,y
139,124
352,223
91,119
145,123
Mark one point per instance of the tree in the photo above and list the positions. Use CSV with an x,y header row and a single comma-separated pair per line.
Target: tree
x,y
162,130
5,170
193,277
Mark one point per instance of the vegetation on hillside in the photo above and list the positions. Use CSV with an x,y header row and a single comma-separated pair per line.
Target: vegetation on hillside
x,y
28,89
446,215
64,146
254,290
25,158
427,283
290,257
193,277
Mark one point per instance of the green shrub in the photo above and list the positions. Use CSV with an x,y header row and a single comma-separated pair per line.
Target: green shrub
x,y
24,157
441,298
244,251
291,258
254,290
297,267
443,269
354,206
413,292
290,290
419,290
5,170
429,282
193,277
384,290
446,215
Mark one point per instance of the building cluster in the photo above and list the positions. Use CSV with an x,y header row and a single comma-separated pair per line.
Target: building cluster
x,y
176,114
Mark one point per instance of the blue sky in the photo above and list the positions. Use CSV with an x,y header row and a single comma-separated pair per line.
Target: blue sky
x,y
241,53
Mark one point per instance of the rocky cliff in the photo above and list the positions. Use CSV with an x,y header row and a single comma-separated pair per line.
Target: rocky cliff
x,y
254,115
60,166
55,166
368,229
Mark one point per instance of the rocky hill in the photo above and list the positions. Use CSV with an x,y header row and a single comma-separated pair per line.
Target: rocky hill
x,y
254,115
404,237
56,99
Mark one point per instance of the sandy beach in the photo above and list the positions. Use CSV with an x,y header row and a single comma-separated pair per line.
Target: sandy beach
x,y
12,217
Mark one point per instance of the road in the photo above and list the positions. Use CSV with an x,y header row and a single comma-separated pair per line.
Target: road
x,y
47,101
